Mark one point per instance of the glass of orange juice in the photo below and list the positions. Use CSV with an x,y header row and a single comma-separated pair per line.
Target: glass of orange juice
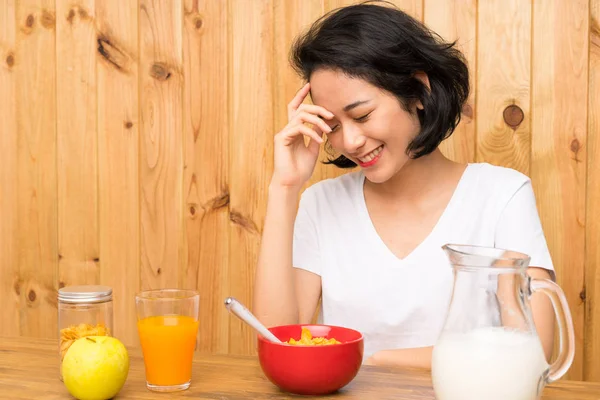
x,y
167,322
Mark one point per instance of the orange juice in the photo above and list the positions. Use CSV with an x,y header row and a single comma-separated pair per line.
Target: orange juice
x,y
168,344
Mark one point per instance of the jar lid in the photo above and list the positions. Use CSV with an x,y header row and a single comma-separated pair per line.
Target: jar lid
x,y
85,294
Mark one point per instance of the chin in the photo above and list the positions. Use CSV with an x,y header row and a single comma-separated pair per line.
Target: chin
x,y
377,176
382,173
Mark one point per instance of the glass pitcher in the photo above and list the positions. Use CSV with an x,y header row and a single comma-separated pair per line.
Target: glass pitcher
x,y
489,347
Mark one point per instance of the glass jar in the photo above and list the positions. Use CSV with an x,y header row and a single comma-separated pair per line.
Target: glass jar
x,y
85,310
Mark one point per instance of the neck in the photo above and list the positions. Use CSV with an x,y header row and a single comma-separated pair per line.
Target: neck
x,y
416,178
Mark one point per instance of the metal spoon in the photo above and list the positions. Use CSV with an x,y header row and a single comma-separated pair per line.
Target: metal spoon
x,y
245,315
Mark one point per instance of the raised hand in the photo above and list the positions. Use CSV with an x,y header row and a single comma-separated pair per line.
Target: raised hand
x,y
294,160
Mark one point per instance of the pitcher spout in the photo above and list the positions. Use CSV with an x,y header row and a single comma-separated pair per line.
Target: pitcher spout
x,y
478,257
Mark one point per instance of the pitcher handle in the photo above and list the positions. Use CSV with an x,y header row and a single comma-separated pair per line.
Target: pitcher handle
x,y
565,324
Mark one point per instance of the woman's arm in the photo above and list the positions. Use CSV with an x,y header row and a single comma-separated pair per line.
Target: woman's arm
x,y
543,313
419,357
282,294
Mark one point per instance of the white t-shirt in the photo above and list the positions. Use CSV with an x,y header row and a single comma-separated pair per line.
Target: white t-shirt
x,y
402,303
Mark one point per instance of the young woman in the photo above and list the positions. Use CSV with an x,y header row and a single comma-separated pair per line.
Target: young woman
x,y
385,92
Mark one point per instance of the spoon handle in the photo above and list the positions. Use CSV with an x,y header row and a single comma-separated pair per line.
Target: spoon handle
x,y
245,315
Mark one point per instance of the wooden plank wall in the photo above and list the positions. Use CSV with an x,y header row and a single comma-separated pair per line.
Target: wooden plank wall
x,y
558,143
136,142
591,349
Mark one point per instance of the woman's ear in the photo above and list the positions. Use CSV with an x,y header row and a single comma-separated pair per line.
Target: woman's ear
x,y
422,76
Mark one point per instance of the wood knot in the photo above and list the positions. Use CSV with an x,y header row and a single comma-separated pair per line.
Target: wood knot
x,y
243,222
128,124
61,285
160,71
10,60
575,146
198,23
30,21
192,210
48,19
219,201
96,259
194,20
31,296
17,287
582,295
83,14
467,111
594,35
513,116
112,54
71,15
158,271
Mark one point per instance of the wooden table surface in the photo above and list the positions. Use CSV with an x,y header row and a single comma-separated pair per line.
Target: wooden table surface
x,y
29,370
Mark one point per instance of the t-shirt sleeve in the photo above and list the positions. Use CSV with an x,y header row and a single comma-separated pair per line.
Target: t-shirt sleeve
x,y
305,250
519,228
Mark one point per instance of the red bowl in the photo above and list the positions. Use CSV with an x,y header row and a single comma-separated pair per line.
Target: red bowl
x,y
311,370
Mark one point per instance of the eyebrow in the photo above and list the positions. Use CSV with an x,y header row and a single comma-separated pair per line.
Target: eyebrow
x,y
355,104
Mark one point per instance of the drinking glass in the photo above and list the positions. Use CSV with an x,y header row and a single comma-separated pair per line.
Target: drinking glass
x,y
167,322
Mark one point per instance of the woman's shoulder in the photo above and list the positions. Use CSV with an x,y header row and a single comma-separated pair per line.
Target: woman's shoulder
x,y
491,187
486,176
333,193
345,184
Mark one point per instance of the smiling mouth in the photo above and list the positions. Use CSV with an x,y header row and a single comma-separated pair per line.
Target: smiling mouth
x,y
372,156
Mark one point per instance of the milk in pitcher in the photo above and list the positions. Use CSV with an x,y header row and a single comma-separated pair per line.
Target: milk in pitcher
x,y
491,363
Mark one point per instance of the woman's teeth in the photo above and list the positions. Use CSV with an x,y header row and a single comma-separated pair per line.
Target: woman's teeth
x,y
371,155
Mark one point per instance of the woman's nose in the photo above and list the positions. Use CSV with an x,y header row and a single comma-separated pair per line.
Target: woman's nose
x,y
354,141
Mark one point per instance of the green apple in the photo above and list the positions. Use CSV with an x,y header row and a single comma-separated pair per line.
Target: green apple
x,y
95,368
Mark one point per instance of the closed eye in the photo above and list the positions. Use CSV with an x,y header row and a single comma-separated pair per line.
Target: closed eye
x,y
363,118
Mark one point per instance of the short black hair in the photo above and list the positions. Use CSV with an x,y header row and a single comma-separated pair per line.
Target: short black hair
x,y
387,47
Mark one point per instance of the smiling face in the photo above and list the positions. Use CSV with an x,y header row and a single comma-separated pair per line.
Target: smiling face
x,y
370,126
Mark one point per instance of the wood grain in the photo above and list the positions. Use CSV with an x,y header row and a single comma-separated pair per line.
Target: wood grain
x,y
206,191
251,150
226,377
456,20
503,80
118,159
161,179
9,266
412,7
77,143
558,161
591,350
36,170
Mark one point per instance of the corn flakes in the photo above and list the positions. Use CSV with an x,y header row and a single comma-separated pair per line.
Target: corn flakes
x,y
306,339
72,333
